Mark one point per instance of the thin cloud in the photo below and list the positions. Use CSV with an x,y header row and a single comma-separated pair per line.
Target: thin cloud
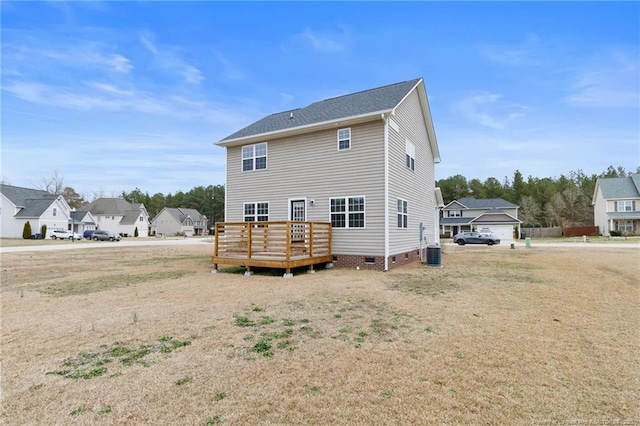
x,y
610,81
168,58
326,41
488,109
523,53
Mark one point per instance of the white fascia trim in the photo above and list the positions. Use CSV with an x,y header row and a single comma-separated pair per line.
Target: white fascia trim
x,y
345,121
386,192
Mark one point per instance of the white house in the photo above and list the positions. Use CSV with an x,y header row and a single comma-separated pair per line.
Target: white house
x,y
119,216
363,162
40,208
616,205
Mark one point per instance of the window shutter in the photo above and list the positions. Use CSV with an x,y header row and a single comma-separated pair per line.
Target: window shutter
x,y
615,205
633,206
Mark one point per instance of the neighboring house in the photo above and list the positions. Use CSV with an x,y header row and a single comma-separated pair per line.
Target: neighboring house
x,y
472,214
616,205
172,221
363,162
82,221
19,205
119,216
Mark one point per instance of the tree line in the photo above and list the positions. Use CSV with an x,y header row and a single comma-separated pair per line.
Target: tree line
x,y
563,201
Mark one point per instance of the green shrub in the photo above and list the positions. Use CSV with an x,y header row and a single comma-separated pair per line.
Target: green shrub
x,y
43,231
615,233
26,231
135,232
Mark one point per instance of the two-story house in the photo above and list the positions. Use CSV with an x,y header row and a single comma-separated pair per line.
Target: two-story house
x,y
363,162
119,216
616,205
40,208
474,214
179,220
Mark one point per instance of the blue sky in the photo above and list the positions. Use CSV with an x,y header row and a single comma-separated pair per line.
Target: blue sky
x,y
119,95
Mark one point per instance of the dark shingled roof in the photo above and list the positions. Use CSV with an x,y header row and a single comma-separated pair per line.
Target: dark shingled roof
x,y
485,203
624,187
366,102
114,207
34,201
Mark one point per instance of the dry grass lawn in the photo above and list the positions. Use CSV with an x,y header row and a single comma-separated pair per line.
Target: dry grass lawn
x,y
147,335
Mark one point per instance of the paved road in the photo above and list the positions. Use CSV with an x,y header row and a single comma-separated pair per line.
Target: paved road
x,y
69,245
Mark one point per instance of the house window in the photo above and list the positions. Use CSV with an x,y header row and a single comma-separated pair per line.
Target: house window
x,y
402,213
254,157
454,213
410,155
344,139
256,212
625,206
141,219
55,211
347,212
624,226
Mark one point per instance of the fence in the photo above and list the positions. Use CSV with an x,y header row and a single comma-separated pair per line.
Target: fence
x,y
551,232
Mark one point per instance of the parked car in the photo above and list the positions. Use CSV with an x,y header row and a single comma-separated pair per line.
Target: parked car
x,y
77,236
105,236
61,234
87,234
463,238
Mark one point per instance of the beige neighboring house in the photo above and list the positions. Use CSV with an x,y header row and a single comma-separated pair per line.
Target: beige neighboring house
x,y
119,216
179,220
616,205
363,162
498,216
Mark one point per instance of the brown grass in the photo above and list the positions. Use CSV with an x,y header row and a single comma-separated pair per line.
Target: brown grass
x,y
496,336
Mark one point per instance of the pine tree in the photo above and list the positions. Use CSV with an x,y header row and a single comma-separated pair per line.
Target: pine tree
x,y
135,232
26,231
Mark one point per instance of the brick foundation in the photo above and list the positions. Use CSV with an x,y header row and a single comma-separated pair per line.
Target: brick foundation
x,y
376,263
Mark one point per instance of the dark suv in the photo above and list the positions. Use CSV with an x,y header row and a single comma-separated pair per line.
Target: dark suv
x,y
87,234
105,236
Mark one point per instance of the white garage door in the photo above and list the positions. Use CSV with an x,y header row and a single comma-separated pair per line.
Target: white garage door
x,y
504,232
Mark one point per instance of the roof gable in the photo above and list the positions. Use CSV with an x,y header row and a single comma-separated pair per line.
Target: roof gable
x,y
34,202
367,102
623,187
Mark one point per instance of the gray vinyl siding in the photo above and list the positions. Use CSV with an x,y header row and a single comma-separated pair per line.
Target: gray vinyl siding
x,y
310,166
418,186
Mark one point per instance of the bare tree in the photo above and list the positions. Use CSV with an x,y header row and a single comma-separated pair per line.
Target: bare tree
x,y
554,210
52,183
530,211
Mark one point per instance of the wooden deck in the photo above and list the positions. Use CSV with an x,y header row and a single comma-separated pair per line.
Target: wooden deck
x,y
284,245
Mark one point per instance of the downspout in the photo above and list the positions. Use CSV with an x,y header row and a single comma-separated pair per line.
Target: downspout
x,y
386,192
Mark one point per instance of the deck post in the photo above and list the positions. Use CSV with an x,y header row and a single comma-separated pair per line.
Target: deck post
x,y
249,242
311,239
288,244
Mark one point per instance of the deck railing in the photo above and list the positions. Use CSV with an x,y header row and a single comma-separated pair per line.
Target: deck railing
x,y
285,243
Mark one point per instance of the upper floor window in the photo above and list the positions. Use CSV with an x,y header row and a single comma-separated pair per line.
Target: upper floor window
x,y
256,212
348,212
625,206
410,155
403,216
344,139
55,211
454,213
254,157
